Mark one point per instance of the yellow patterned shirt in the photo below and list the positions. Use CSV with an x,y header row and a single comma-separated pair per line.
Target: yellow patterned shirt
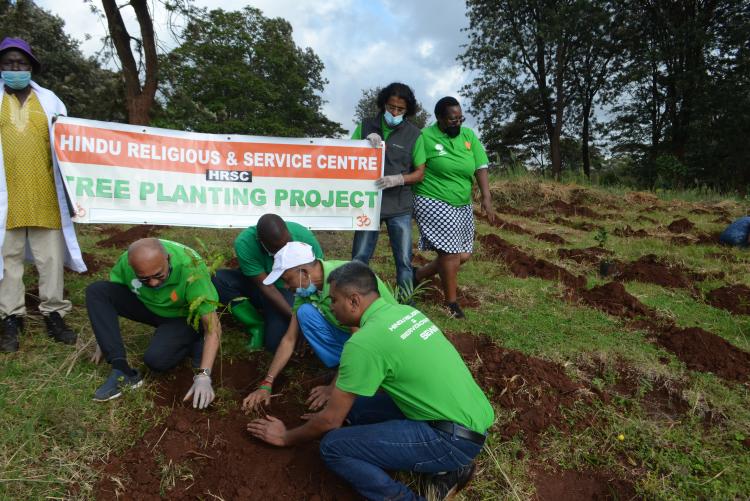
x,y
32,198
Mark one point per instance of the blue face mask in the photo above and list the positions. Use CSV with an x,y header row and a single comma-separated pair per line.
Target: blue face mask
x,y
306,291
391,120
17,80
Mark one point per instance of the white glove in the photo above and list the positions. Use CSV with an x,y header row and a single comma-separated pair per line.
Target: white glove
x,y
386,182
201,391
375,139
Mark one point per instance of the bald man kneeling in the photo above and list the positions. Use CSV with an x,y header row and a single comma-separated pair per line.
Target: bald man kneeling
x,y
155,282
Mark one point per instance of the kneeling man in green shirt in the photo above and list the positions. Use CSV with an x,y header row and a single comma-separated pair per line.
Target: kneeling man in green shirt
x,y
158,283
409,399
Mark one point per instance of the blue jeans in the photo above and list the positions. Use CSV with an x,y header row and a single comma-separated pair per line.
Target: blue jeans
x,y
231,284
399,233
381,439
326,340
737,232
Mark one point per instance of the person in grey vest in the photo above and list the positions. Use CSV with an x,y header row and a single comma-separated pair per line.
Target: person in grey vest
x,y
404,166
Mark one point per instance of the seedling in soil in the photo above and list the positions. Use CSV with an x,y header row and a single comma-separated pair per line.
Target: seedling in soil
x,y
601,236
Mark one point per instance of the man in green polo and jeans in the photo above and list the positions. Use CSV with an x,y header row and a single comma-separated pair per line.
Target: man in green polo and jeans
x,y
264,310
410,401
159,283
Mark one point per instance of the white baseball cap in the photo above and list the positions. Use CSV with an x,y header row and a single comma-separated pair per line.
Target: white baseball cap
x,y
291,255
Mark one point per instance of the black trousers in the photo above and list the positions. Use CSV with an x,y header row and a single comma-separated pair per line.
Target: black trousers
x,y
173,339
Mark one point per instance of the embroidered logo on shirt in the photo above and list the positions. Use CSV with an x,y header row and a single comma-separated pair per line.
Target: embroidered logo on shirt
x,y
136,284
441,149
173,296
468,145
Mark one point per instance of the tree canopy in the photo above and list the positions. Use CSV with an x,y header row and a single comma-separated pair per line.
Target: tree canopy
x,y
241,72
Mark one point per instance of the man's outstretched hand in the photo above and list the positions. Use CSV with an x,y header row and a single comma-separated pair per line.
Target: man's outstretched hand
x,y
269,429
319,397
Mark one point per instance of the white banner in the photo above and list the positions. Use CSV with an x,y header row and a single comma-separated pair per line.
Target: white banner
x,y
129,174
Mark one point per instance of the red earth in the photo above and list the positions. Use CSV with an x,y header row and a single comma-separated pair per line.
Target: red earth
x,y
124,238
573,210
535,389
682,225
523,265
571,485
629,232
433,293
651,269
612,298
581,225
592,255
734,298
551,238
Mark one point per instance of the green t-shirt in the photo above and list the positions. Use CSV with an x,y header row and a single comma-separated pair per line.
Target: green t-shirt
x,y
188,281
254,259
400,350
322,299
417,153
450,165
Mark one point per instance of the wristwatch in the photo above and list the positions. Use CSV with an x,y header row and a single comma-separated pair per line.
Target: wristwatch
x,y
203,372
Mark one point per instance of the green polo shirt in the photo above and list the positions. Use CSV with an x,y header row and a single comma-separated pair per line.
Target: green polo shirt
x,y
450,165
417,154
254,259
189,281
322,299
399,349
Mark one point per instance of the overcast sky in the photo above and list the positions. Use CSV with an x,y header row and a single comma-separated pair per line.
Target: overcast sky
x,y
362,43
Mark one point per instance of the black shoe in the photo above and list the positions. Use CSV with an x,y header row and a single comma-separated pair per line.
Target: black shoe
x,y
12,325
444,486
57,329
454,310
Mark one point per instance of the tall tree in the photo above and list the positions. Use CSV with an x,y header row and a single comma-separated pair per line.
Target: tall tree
x,y
517,46
139,94
367,106
242,72
88,90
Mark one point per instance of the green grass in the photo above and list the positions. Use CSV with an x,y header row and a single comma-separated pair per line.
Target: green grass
x,y
53,437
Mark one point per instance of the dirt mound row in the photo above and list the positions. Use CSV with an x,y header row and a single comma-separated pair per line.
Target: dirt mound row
x,y
533,388
733,298
94,263
704,351
581,225
651,269
628,232
551,238
612,298
708,238
682,225
127,237
210,455
523,265
573,210
581,485
591,255
433,293
507,209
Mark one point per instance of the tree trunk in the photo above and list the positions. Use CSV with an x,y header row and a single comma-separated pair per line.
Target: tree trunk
x,y
585,134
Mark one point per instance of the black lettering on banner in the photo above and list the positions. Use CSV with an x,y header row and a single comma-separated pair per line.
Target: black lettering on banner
x,y
235,176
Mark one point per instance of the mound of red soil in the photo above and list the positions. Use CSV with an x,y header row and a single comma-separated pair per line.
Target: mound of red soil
x,y
507,209
551,238
94,263
629,232
704,351
682,225
508,226
645,219
708,238
681,240
586,255
523,265
534,388
127,237
734,298
612,298
722,220
210,455
650,269
572,485
581,225
573,210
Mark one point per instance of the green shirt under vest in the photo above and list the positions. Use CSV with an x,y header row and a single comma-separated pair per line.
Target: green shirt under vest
x,y
322,299
254,259
401,351
450,165
189,280
417,154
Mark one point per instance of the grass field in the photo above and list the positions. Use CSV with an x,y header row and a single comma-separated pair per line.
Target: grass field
x,y
640,422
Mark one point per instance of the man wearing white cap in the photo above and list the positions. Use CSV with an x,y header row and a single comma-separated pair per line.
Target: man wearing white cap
x,y
302,273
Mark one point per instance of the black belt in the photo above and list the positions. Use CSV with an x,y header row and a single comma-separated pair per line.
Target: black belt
x,y
458,430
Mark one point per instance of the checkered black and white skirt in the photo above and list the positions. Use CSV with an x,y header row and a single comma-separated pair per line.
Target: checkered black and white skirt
x,y
443,227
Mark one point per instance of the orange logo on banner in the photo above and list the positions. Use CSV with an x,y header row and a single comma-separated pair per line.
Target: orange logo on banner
x,y
363,221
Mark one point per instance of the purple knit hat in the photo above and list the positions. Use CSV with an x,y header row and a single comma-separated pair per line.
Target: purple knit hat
x,y
17,43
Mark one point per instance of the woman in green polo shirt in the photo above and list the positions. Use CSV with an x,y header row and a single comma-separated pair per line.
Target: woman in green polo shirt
x,y
442,201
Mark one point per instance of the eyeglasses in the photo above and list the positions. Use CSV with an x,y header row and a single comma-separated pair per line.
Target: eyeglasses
x,y
456,120
395,109
156,276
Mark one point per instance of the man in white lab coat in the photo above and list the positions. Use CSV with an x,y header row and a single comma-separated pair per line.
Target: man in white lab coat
x,y
34,215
